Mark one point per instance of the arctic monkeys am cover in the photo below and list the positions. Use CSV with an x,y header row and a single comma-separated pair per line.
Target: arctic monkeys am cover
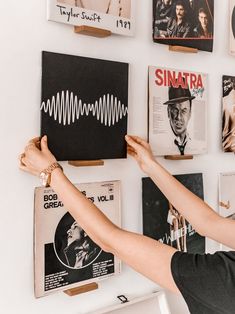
x,y
84,107
64,255
177,112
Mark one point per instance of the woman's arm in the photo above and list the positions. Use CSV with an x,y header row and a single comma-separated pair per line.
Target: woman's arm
x,y
145,255
196,211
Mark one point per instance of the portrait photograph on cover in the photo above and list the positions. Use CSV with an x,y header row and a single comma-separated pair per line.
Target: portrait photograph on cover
x,y
227,195
188,23
228,117
177,112
232,26
163,222
84,107
116,16
64,255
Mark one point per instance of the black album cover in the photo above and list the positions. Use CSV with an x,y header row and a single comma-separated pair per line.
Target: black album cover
x,y
161,221
188,23
84,107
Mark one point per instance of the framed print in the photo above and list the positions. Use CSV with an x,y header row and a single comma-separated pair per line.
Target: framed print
x,y
226,195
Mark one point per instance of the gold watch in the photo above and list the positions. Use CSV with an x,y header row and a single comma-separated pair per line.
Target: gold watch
x,y
45,175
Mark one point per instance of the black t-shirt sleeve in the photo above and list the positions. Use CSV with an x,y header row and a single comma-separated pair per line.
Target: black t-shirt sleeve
x,y
207,282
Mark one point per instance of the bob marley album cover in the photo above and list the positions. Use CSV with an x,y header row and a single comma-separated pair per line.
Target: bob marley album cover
x,y
65,257
177,112
84,107
116,16
228,117
161,221
188,23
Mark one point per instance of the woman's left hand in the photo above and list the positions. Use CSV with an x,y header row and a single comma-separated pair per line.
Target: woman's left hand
x,y
36,156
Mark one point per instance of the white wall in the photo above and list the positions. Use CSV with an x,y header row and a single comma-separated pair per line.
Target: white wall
x,y
24,33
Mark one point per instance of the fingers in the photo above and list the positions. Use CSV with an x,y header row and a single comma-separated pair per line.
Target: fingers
x,y
132,142
136,139
44,143
28,169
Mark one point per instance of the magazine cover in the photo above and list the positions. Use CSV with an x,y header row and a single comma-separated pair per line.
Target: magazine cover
x,y
116,16
177,112
161,221
188,23
84,107
227,195
64,255
228,117
232,26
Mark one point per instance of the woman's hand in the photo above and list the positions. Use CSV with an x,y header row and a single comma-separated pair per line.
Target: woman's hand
x,y
34,160
141,151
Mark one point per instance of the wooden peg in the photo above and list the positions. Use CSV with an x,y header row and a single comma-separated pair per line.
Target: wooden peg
x,y
78,290
86,163
92,31
178,157
183,49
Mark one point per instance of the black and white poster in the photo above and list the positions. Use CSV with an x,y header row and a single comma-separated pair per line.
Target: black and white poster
x,y
188,23
178,101
228,114
232,27
117,16
65,256
84,107
161,221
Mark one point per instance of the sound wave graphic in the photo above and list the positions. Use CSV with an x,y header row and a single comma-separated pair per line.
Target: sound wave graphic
x,y
66,108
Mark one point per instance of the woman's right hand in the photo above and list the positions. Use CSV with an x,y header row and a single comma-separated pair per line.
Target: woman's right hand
x,y
36,156
141,151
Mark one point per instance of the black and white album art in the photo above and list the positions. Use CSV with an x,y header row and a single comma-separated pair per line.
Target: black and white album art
x,y
163,222
188,23
73,247
84,107
228,114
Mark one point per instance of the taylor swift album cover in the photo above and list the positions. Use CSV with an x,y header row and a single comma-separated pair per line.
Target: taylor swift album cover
x,y
188,23
84,106
117,16
163,222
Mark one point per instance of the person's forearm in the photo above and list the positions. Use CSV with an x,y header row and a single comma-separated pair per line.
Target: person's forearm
x,y
188,204
88,216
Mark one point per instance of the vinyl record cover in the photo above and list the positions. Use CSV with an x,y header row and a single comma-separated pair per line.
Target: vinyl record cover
x,y
177,112
64,255
228,114
84,107
161,221
117,16
232,26
227,195
188,23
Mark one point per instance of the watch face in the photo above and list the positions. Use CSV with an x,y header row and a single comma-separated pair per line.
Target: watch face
x,y
44,178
